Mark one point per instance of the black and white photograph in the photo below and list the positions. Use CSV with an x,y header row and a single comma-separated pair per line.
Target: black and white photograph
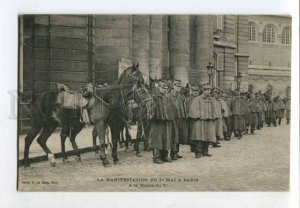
x,y
149,104
154,102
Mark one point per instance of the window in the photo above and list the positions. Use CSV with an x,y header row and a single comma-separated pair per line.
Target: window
x,y
220,22
286,36
269,35
252,35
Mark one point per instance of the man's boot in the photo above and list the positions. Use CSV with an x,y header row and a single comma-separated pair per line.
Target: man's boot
x,y
157,156
164,156
217,144
225,136
198,149
205,149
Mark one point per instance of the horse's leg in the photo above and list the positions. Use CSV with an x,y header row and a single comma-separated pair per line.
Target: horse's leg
x,y
115,133
95,134
33,132
75,129
101,130
138,139
122,140
42,140
63,136
127,138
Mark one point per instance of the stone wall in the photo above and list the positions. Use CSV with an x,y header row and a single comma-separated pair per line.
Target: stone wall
x,y
113,41
56,50
76,49
270,62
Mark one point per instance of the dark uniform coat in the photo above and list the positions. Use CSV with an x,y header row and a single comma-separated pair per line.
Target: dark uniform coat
x,y
179,124
239,110
280,109
161,131
288,109
219,121
270,114
189,100
255,109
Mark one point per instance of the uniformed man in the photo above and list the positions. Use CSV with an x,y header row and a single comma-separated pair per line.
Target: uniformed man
x,y
203,112
288,110
271,111
194,92
239,110
219,121
260,113
179,124
226,113
255,109
280,109
161,135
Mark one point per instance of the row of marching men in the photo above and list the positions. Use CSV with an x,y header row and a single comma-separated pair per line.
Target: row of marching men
x,y
190,116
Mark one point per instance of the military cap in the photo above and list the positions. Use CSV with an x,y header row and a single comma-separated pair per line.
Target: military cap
x,y
177,83
163,84
206,86
194,88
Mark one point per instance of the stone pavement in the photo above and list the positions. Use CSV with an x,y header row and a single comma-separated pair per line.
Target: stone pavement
x,y
257,162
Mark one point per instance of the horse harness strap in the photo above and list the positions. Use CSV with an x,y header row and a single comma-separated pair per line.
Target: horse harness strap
x,y
103,101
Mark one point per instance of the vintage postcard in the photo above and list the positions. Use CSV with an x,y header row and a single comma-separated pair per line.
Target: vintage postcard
x,y
154,103
149,103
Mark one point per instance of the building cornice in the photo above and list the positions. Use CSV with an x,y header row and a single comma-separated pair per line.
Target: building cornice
x,y
277,68
242,55
269,71
224,44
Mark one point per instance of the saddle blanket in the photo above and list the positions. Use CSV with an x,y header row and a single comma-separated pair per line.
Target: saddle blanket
x,y
72,100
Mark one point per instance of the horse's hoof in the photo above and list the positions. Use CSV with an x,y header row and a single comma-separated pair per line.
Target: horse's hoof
x,y
106,163
139,154
66,160
51,159
52,164
117,162
27,166
78,159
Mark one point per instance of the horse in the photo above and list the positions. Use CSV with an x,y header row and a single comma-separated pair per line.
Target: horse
x,y
109,108
46,115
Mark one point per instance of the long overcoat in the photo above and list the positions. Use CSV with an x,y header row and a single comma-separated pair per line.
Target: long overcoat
x,y
180,124
239,110
270,114
161,132
204,112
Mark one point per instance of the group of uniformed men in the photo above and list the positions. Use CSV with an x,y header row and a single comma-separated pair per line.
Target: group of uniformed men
x,y
200,117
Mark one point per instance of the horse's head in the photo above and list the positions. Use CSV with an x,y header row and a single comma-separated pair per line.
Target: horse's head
x,y
142,97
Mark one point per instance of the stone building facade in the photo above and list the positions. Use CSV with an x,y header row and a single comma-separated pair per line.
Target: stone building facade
x,y
270,52
76,49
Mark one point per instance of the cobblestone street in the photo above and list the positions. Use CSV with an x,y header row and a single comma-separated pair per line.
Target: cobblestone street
x,y
257,162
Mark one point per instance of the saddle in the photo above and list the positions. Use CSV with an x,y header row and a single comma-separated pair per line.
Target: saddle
x,y
71,100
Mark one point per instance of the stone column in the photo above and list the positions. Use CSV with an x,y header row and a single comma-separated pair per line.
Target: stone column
x,y
155,47
165,47
179,47
113,41
140,43
204,45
